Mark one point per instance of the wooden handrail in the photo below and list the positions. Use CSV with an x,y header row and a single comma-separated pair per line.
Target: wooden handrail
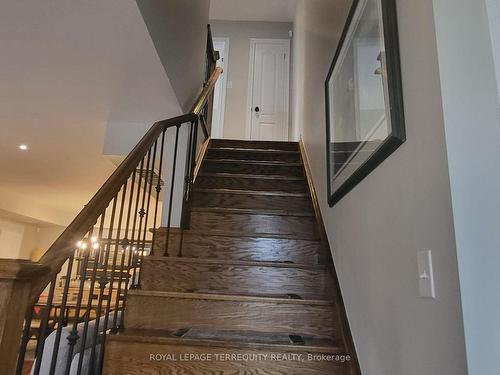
x,y
64,246
205,93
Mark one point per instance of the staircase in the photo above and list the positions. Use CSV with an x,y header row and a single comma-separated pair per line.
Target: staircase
x,y
251,290
247,286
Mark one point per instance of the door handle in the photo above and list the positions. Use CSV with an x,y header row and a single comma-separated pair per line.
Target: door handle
x,y
257,109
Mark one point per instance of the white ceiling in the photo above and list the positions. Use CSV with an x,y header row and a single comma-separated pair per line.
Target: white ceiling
x,y
253,10
66,69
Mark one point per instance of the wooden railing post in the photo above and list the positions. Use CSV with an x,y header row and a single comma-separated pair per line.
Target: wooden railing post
x,y
17,278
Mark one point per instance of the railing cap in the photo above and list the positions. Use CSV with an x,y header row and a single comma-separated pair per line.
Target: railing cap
x,y
19,269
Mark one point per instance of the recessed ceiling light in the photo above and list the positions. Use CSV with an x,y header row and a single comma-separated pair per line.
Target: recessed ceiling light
x,y
23,147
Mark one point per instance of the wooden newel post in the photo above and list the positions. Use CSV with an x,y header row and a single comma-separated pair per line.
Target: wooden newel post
x,y
17,278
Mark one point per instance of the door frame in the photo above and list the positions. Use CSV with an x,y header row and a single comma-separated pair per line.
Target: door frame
x,y
248,121
225,40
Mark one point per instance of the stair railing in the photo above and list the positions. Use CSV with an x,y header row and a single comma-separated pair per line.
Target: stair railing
x,y
76,293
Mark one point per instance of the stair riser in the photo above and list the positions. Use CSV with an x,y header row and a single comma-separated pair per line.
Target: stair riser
x,y
286,146
172,313
250,249
177,276
289,157
264,202
290,226
254,184
134,359
214,166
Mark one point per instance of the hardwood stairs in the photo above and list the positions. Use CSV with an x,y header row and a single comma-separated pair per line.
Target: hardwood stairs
x,y
253,291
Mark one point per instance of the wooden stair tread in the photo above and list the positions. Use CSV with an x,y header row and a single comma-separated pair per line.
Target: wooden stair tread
x,y
301,226
253,199
263,297
282,236
256,150
216,246
254,155
175,310
212,181
222,233
229,297
236,277
251,192
247,144
236,262
255,176
252,167
240,339
253,162
253,211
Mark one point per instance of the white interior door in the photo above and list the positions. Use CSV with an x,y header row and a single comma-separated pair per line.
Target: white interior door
x,y
217,131
269,89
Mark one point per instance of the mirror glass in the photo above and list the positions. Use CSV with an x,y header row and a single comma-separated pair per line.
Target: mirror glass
x,y
358,102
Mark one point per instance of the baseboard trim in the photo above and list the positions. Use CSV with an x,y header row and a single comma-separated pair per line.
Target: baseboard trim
x,y
346,330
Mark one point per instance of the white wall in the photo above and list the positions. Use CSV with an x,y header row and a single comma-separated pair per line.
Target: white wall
x,y
179,32
470,106
121,137
31,206
11,238
20,240
239,34
404,206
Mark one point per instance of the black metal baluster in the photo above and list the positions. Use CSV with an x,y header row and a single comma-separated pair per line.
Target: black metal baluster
x,y
24,341
61,320
103,281
124,244
191,169
158,190
142,213
127,279
112,278
127,247
114,326
136,211
187,184
203,122
44,323
151,252
172,190
187,176
96,255
148,204
73,336
194,149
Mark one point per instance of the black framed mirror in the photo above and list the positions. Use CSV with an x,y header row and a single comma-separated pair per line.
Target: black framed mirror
x,y
364,99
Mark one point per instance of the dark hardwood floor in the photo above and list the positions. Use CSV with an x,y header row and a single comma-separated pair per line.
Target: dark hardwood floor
x,y
253,292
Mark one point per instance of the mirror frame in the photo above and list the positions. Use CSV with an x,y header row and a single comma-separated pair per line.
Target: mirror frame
x,y
397,135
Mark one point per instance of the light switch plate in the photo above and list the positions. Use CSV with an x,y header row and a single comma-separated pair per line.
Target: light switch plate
x,y
425,274
229,84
